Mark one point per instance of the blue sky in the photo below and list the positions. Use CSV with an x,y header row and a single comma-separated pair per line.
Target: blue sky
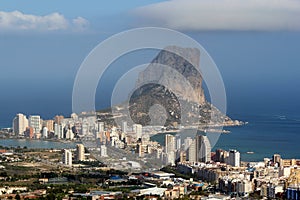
x,y
255,44
71,8
183,15
103,16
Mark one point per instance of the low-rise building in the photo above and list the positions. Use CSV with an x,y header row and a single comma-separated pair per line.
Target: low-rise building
x,y
176,192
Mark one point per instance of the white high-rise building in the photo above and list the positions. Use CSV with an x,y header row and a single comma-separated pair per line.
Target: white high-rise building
x,y
100,126
20,123
80,152
169,143
56,130
85,128
69,134
138,129
124,127
103,151
59,131
45,132
67,157
203,148
199,150
170,149
35,123
140,151
62,131
192,152
234,158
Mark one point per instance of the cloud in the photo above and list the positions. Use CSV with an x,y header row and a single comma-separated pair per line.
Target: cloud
x,y
195,15
80,23
16,20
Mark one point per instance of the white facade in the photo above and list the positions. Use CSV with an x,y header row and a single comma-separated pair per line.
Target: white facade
x,y
56,130
284,171
100,126
10,190
67,157
272,190
69,134
138,129
59,131
145,138
85,128
244,186
124,127
103,151
178,142
204,148
35,123
169,143
80,152
170,149
234,158
45,132
192,152
20,123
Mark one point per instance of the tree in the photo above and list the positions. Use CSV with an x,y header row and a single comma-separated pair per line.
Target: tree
x,y
17,197
51,196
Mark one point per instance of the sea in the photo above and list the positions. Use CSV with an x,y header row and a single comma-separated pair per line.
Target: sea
x,y
36,144
262,136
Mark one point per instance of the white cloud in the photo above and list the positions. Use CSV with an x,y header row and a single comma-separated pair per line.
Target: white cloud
x,y
223,14
16,20
80,23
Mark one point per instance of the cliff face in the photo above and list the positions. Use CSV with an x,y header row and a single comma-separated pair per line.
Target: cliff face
x,y
172,81
177,72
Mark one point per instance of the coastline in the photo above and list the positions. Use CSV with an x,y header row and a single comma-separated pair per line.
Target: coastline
x,y
34,139
36,143
265,134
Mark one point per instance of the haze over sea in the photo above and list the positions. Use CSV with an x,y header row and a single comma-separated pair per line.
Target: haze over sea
x,y
260,71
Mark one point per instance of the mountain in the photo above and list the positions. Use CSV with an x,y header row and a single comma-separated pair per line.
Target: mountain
x,y
176,68
173,86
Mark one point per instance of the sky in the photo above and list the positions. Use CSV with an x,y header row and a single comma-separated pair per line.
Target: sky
x,y
255,44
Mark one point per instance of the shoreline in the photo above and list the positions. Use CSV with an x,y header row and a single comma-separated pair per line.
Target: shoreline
x,y
75,142
36,143
42,140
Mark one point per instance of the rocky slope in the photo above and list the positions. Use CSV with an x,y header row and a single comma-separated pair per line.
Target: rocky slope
x,y
173,82
176,69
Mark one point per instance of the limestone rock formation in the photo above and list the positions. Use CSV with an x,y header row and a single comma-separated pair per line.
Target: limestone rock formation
x,y
176,69
173,81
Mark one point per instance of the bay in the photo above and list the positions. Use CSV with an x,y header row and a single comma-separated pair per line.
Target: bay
x,y
36,144
264,135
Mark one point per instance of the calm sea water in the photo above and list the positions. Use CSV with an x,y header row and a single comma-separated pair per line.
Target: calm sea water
x,y
264,135
35,144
